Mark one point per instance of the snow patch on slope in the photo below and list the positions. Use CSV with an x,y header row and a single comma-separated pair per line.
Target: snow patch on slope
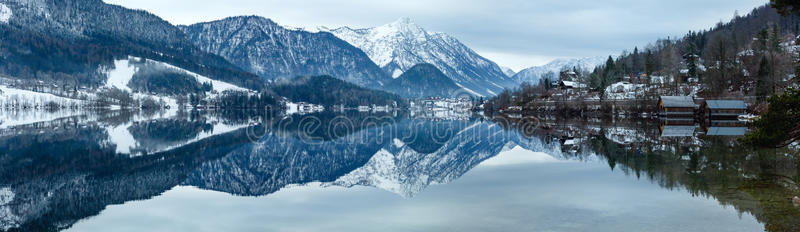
x,y
123,72
397,73
218,86
5,13
121,75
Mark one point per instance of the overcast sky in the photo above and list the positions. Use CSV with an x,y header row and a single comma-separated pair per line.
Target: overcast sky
x,y
513,33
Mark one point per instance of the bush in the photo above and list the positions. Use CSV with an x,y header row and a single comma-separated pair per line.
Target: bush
x,y
779,126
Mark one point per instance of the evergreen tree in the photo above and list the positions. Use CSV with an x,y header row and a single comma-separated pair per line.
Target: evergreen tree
x,y
786,7
775,51
594,80
624,70
691,59
650,63
636,62
797,62
763,87
762,41
776,39
780,125
610,72
548,80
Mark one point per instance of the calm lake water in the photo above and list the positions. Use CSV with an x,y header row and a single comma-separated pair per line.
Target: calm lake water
x,y
246,171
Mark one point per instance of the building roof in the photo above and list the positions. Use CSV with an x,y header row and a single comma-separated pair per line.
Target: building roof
x,y
726,131
726,104
573,84
677,101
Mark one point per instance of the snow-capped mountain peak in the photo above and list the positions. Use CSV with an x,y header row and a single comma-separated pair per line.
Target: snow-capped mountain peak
x,y
398,46
403,25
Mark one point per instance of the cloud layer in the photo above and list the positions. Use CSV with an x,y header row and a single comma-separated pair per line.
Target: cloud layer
x,y
514,33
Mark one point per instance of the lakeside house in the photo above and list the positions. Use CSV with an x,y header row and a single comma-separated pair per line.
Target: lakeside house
x,y
677,106
571,85
724,109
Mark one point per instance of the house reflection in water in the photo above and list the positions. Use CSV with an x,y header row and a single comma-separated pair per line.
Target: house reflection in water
x,y
725,128
677,131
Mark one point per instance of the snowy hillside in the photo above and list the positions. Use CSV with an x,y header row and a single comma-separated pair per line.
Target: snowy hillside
x,y
119,76
398,46
534,74
69,38
124,70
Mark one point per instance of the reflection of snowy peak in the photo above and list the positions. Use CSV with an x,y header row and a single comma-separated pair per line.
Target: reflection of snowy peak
x,y
399,169
364,158
398,46
383,171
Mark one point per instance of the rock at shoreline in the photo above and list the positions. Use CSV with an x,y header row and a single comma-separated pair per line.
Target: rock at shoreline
x,y
796,201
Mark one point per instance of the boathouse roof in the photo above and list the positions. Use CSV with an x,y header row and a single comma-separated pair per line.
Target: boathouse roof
x,y
677,101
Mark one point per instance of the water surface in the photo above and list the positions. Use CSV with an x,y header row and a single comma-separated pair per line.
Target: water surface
x,y
245,171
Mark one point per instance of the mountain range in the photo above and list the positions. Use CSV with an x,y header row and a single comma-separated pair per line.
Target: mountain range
x,y
536,73
263,47
68,41
404,166
398,46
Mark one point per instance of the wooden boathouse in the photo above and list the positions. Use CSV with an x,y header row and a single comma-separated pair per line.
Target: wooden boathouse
x,y
724,109
676,106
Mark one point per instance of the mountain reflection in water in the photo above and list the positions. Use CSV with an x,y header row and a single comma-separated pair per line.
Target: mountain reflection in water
x,y
57,172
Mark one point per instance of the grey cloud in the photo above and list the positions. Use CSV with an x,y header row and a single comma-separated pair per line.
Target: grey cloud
x,y
535,28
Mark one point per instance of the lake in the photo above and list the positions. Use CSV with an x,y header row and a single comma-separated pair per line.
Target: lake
x,y
253,171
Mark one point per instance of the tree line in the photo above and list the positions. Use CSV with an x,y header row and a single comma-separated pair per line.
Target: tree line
x,y
752,55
